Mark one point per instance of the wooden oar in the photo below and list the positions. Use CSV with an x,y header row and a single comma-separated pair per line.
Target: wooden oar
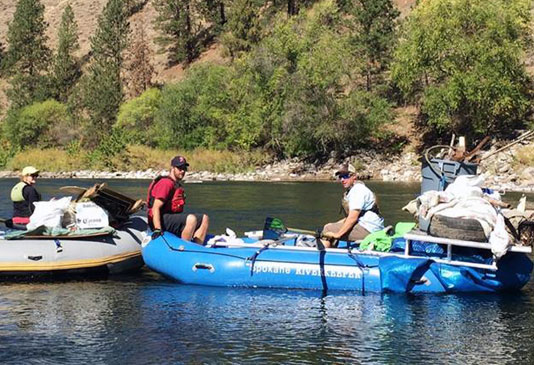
x,y
298,230
320,245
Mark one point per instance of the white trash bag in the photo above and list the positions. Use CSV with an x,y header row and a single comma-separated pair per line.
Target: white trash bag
x,y
499,238
48,213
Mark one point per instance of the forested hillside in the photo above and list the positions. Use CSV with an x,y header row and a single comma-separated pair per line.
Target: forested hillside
x,y
303,78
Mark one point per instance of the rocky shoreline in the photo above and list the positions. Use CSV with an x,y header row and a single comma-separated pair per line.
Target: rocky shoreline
x,y
500,170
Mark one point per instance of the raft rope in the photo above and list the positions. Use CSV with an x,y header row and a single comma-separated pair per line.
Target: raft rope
x,y
167,243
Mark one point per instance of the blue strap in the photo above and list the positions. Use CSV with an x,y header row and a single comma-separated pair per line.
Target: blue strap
x,y
252,258
59,248
442,182
360,265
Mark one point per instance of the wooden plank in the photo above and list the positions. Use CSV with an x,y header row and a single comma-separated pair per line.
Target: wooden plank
x,y
73,189
118,205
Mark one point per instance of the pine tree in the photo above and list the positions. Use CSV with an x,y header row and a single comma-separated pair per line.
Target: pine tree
x,y
180,29
375,29
243,28
1,57
292,7
66,65
27,57
133,6
139,69
214,12
103,88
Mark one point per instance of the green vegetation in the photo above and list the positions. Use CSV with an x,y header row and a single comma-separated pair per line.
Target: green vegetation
x,y
463,61
243,29
103,87
66,70
1,57
192,113
373,22
136,118
287,94
311,79
27,56
181,31
136,157
42,125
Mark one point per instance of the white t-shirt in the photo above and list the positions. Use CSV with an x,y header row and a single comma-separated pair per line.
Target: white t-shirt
x,y
361,198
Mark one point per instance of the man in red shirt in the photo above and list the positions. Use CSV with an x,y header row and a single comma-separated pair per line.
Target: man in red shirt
x,y
166,200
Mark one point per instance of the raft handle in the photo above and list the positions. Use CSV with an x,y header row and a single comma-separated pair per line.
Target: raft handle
x,y
200,266
34,258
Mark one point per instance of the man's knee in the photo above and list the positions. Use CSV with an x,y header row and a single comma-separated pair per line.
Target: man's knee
x,y
191,220
205,219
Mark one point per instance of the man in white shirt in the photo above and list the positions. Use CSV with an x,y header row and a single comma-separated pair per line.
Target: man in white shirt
x,y
361,210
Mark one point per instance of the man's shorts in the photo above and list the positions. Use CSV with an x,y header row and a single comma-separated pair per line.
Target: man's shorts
x,y
357,233
175,223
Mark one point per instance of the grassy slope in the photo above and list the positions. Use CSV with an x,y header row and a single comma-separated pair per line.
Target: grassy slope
x,y
138,158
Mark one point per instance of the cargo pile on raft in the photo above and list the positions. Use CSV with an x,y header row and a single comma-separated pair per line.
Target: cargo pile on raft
x,y
93,234
466,240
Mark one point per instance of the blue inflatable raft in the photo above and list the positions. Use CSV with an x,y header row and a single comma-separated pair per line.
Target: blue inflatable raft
x,y
416,263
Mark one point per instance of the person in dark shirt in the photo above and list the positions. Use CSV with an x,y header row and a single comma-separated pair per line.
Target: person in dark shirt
x,y
166,201
23,196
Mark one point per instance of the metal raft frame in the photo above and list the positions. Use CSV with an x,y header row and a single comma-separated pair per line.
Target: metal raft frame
x,y
421,237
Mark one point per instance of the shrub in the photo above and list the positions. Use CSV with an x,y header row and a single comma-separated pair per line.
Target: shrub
x,y
462,60
7,151
44,124
136,117
111,148
299,100
193,112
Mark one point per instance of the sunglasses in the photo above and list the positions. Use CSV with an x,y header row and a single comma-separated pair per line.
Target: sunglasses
x,y
344,176
34,175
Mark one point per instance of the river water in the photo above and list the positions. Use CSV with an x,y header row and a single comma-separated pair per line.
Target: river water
x,y
143,318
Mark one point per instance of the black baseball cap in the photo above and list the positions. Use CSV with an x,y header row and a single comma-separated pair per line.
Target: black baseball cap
x,y
180,162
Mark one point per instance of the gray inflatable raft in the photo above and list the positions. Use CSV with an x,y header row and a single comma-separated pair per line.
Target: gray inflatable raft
x,y
78,256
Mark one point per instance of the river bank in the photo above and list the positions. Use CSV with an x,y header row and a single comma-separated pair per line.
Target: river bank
x,y
503,170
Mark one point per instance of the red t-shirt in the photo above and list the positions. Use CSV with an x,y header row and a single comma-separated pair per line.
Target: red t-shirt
x,y
162,190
